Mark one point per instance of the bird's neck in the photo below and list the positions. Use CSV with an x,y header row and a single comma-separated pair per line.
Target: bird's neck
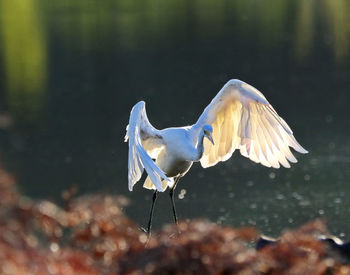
x,y
200,146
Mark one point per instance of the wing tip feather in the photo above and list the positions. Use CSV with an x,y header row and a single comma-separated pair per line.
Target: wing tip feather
x,y
304,151
138,157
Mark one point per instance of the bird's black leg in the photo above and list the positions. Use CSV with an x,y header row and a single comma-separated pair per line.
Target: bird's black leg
x,y
172,199
149,227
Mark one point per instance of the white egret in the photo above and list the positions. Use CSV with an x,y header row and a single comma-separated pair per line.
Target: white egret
x,y
239,117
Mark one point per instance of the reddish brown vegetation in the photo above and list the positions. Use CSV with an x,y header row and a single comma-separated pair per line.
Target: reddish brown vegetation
x,y
92,236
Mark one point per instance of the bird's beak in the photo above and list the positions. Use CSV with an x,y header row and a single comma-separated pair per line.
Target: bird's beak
x,y
211,139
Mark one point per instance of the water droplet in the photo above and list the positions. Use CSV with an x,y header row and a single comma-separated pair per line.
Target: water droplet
x,y
280,197
304,203
296,196
250,221
321,212
250,183
337,200
253,206
272,175
182,194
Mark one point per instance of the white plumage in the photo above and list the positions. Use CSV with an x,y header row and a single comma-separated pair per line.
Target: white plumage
x,y
240,117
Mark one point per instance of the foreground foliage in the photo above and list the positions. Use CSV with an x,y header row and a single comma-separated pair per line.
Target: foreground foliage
x,y
92,236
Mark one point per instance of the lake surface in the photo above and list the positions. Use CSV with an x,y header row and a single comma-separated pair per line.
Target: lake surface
x,y
72,70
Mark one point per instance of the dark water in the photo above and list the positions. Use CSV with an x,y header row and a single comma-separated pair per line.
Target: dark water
x,y
72,70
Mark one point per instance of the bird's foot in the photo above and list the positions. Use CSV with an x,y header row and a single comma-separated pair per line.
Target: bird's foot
x,y
144,230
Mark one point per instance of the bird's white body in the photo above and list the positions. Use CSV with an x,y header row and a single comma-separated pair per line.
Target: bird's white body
x,y
176,158
239,117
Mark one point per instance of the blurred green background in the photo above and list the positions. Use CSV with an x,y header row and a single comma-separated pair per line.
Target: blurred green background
x,y
70,72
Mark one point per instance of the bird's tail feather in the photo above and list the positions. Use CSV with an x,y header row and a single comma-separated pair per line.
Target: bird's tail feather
x,y
148,184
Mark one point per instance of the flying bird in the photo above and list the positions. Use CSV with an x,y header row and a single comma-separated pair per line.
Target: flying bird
x,y
238,118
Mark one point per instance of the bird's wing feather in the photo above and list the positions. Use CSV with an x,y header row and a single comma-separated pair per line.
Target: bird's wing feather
x,y
243,119
145,142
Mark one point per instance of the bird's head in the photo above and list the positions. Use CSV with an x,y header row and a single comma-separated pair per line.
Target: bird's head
x,y
207,131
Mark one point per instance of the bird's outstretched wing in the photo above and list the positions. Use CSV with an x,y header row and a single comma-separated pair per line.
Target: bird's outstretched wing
x,y
243,119
145,142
